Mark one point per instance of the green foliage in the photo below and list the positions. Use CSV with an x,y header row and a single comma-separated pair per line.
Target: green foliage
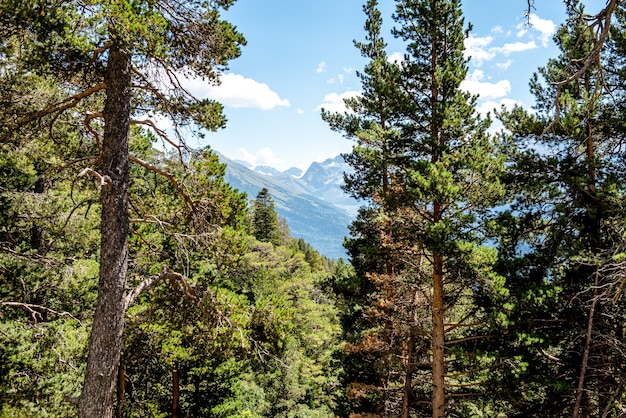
x,y
566,185
265,225
430,175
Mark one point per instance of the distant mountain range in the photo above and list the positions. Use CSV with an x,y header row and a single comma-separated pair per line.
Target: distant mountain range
x,y
313,204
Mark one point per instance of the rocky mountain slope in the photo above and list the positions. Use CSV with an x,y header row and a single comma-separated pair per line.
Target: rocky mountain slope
x,y
313,204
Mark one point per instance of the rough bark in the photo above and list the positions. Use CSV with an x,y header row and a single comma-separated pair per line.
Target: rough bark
x,y
438,339
121,390
105,344
438,332
175,395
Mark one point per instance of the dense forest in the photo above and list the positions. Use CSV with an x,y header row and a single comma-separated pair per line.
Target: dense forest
x,y
486,270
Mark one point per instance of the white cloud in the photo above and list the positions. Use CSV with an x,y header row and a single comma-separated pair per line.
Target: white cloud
x,y
396,57
321,67
338,79
545,27
300,111
263,156
476,48
516,47
485,89
491,105
333,102
237,91
504,65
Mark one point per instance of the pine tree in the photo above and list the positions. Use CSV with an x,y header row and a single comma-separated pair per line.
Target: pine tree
x,y
429,172
106,52
265,225
451,181
568,192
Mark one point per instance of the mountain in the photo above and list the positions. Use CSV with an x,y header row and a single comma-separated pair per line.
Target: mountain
x,y
267,170
315,208
271,171
325,179
293,171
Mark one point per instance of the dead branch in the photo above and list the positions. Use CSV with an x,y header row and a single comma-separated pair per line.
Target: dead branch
x,y
161,133
130,298
550,357
87,123
36,310
104,180
176,280
599,26
150,220
62,105
476,337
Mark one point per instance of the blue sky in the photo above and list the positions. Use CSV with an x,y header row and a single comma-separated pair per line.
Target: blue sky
x,y
300,57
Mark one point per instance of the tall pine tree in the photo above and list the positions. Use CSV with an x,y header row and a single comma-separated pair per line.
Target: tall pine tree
x,y
429,172
565,218
265,225
451,179
118,53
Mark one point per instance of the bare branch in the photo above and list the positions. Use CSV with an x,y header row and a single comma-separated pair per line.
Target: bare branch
x,y
161,133
36,310
87,123
64,104
177,281
550,357
599,26
104,180
147,283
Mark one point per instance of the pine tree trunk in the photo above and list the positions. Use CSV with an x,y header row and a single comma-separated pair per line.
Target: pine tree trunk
x,y
438,342
408,377
121,389
105,342
175,395
594,239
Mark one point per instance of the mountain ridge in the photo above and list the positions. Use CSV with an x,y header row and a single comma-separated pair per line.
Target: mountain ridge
x,y
313,205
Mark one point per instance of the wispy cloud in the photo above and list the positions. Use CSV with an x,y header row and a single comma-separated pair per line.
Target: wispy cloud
x,y
338,79
545,27
510,48
333,102
481,49
237,91
262,156
504,65
321,67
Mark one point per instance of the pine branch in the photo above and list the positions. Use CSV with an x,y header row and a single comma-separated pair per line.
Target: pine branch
x,y
62,105
169,176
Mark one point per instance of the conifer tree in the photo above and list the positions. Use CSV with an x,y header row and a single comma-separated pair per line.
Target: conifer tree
x,y
130,56
373,331
451,179
569,186
265,225
429,172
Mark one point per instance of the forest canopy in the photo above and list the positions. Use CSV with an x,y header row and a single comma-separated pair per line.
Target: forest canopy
x,y
485,273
